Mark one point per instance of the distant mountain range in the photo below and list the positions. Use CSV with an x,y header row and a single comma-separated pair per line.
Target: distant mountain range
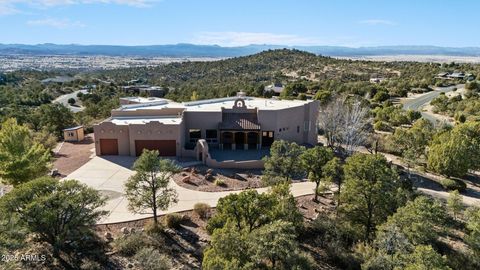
x,y
192,50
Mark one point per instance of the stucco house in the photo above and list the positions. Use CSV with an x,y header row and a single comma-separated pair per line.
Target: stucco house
x,y
228,124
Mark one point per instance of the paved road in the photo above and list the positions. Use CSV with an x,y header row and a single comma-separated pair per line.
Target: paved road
x,y
63,99
420,101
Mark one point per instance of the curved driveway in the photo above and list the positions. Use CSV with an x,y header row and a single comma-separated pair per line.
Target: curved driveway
x,y
108,175
63,99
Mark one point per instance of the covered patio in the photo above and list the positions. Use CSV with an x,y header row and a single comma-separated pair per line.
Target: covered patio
x,y
240,131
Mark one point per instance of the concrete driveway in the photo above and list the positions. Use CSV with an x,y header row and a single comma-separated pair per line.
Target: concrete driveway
x,y
108,175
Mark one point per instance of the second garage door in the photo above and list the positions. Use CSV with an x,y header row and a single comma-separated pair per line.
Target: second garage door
x,y
164,147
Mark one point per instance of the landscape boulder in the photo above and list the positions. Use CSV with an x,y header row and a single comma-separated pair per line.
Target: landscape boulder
x,y
125,230
108,236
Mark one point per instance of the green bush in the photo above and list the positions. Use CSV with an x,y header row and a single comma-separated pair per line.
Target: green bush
x,y
219,182
151,259
201,209
382,126
173,220
453,184
129,245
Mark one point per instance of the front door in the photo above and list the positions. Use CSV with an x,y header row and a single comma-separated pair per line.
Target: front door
x,y
267,138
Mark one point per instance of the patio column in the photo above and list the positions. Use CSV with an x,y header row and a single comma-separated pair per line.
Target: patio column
x,y
259,141
245,141
221,140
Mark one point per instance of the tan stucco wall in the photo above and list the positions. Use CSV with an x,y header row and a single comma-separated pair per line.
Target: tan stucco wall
x,y
249,164
288,120
108,130
201,120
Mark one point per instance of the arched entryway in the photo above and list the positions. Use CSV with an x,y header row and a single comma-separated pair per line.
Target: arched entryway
x,y
240,140
252,140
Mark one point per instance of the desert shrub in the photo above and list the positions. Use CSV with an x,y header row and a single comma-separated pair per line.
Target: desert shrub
x,y
219,182
151,227
201,209
453,184
129,245
151,259
382,126
173,220
91,265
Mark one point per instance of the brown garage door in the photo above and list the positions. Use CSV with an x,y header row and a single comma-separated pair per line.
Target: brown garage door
x,y
108,146
164,147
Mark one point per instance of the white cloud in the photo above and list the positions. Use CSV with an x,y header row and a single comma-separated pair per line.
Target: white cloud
x,y
8,7
56,23
377,22
246,38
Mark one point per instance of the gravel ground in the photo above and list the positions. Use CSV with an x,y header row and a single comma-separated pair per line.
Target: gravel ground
x,y
73,155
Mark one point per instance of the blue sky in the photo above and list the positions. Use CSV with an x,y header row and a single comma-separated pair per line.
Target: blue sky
x,y
231,23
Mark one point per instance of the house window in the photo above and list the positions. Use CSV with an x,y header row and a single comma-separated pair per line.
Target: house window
x,y
211,135
195,135
298,129
71,134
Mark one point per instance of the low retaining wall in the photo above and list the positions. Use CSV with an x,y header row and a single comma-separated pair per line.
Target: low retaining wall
x,y
230,164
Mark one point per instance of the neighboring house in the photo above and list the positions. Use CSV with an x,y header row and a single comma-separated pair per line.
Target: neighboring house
x,y
469,77
455,75
151,91
179,129
442,75
74,134
377,80
276,88
139,100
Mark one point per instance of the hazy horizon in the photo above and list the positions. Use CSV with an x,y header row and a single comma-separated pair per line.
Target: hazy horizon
x,y
349,23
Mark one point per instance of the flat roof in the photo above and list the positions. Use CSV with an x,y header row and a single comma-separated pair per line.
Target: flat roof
x,y
124,120
144,99
73,128
212,105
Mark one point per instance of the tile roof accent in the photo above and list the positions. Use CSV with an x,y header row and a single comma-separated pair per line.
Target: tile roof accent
x,y
239,121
